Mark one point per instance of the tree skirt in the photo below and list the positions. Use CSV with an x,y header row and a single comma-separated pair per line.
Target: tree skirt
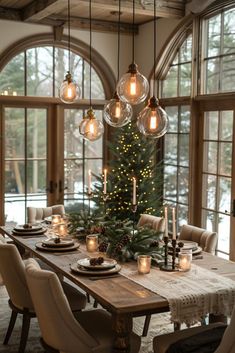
x,y
160,324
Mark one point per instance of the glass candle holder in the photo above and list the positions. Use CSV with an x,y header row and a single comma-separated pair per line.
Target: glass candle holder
x,y
144,264
56,219
92,243
185,259
62,229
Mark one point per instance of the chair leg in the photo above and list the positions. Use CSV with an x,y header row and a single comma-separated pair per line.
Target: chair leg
x,y
24,332
95,304
88,298
10,326
177,326
146,325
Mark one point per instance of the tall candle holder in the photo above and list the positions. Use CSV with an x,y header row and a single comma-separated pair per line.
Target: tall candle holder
x,y
134,209
105,199
169,266
89,194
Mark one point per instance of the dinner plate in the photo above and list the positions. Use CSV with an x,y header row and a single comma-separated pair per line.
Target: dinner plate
x,y
63,243
107,264
42,247
188,244
84,271
37,232
33,228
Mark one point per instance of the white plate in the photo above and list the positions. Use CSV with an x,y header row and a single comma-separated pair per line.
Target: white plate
x,y
83,271
42,247
33,228
107,264
38,232
62,244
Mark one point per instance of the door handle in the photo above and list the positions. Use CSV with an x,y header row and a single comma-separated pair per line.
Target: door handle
x,y
61,186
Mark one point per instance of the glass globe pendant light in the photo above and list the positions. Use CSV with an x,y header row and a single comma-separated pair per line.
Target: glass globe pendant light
x,y
91,128
133,87
117,113
152,121
69,91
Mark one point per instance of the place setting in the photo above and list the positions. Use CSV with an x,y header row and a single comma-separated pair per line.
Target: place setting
x,y
96,266
57,244
28,230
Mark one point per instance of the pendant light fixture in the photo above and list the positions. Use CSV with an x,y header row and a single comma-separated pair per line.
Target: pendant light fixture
x,y
117,113
152,121
133,87
91,128
69,91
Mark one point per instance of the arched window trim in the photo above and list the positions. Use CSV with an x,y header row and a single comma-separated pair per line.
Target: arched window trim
x,y
80,48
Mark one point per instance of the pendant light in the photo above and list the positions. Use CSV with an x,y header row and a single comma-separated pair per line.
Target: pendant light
x,y
133,87
69,91
91,128
116,112
152,121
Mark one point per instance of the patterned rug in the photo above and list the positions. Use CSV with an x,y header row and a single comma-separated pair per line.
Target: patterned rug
x,y
159,324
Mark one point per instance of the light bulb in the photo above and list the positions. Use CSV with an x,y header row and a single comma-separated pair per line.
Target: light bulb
x,y
152,121
69,91
133,87
91,128
117,113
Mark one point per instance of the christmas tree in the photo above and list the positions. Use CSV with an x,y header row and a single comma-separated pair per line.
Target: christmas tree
x,y
131,155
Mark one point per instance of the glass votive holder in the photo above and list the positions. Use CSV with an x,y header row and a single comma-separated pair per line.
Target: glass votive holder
x,y
61,229
144,264
55,219
92,242
185,259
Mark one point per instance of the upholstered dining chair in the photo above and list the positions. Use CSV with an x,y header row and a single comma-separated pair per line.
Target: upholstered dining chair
x,y
39,213
12,269
91,330
154,222
206,240
206,336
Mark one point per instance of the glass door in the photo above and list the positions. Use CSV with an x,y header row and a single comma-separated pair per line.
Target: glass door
x,y
25,161
217,171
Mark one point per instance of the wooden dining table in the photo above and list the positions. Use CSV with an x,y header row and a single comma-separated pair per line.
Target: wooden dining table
x,y
123,298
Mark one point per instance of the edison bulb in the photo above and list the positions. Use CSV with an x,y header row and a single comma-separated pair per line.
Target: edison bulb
x,y
133,87
117,113
69,91
91,128
152,121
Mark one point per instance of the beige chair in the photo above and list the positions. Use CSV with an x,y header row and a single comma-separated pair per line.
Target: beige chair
x,y
154,222
206,240
37,213
91,330
227,344
12,269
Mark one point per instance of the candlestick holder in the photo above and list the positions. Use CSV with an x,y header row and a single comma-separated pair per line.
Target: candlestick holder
x,y
134,209
89,195
169,266
105,199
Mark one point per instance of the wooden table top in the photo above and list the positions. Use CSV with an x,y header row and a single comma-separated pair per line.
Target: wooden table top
x,y
118,294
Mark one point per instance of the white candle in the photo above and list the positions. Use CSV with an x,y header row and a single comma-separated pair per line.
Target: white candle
x,y
91,243
105,181
134,192
89,181
144,264
62,229
173,223
166,222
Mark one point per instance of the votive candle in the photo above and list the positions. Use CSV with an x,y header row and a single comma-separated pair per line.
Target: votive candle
x,y
134,191
173,223
144,264
166,221
62,229
105,181
92,242
185,259
56,219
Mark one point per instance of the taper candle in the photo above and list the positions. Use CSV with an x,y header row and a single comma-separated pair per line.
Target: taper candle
x,y
105,181
173,223
166,221
134,191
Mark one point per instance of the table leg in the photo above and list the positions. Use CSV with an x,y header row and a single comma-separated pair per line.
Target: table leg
x,y
122,327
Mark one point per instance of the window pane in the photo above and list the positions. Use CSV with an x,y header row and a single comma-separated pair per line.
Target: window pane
x,y
170,149
186,50
170,182
73,141
170,84
184,150
36,133
36,177
229,31
228,73
95,149
15,133
95,166
225,158
224,194
73,170
212,76
214,28
39,71
172,113
210,156
182,215
184,119
97,90
223,232
226,125
183,185
209,191
185,80
211,121
12,76
209,220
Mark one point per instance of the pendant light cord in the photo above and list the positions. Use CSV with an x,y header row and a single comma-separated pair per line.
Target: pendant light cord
x,y
69,66
154,47
133,33
90,48
119,25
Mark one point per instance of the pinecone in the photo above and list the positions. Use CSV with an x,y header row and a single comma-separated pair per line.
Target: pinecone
x,y
100,260
180,244
154,244
103,246
125,239
96,261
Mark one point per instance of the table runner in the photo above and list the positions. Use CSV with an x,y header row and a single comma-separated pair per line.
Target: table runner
x,y
191,295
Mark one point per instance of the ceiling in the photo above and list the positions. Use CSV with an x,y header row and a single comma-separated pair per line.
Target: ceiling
x,y
104,12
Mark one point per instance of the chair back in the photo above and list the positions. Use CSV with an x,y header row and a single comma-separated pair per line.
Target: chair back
x,y
206,240
227,344
38,213
12,270
58,326
154,222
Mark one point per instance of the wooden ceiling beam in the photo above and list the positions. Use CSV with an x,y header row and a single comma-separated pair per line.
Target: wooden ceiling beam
x,y
10,14
38,10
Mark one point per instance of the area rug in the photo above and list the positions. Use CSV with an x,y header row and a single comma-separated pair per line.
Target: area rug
x,y
160,324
